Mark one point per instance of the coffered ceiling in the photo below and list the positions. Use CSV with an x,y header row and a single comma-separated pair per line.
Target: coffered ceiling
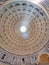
x,y
24,31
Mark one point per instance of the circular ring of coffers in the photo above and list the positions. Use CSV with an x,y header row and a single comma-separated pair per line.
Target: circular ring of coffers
x,y
16,14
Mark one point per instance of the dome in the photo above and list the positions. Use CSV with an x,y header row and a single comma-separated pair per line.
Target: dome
x,y
24,32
